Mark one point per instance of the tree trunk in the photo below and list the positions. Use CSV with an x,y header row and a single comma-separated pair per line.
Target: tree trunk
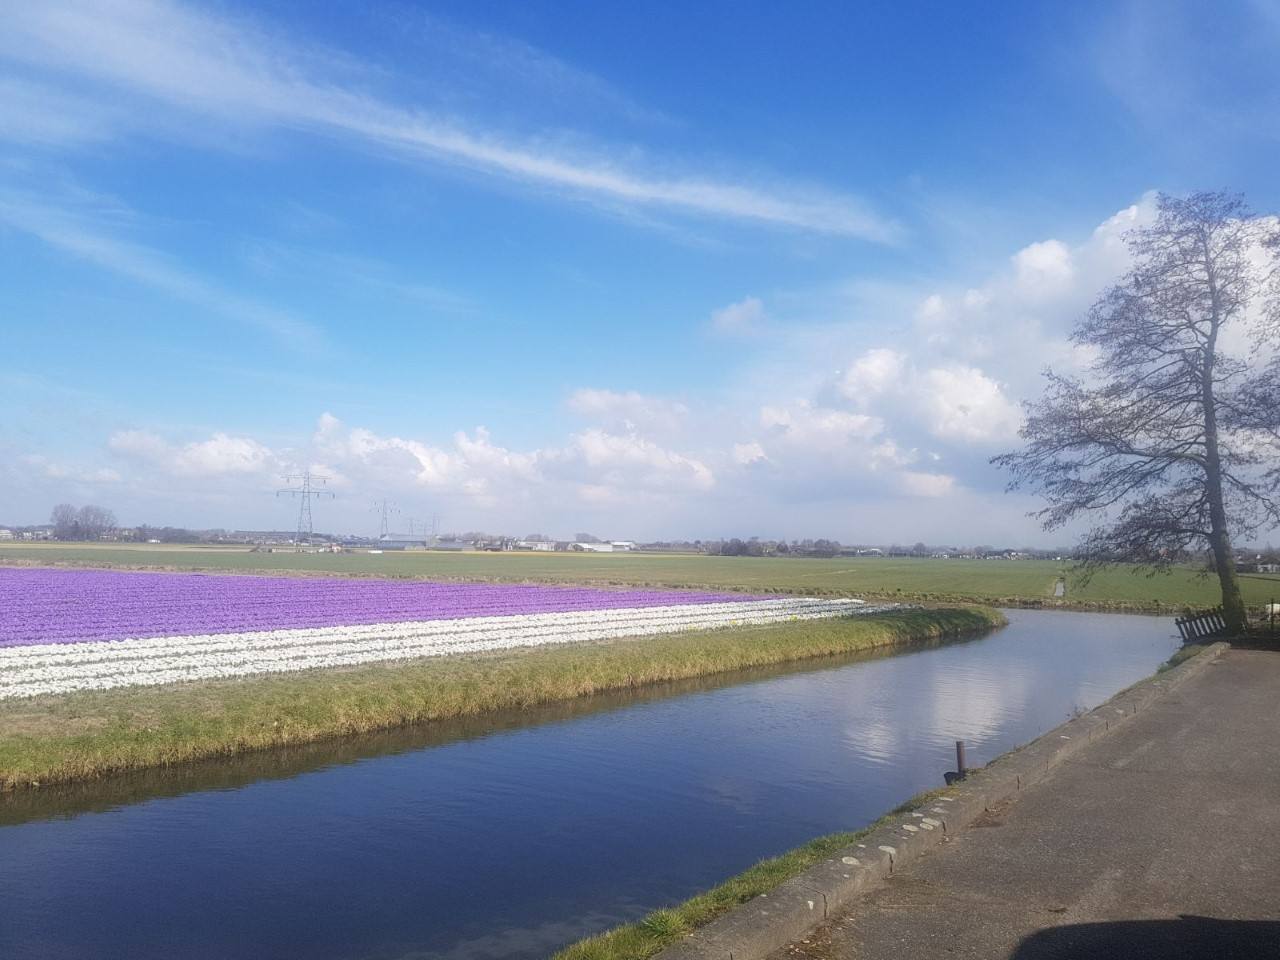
x,y
1224,560
1233,611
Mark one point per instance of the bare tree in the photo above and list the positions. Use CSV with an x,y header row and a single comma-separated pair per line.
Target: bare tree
x,y
1173,443
64,520
87,523
95,521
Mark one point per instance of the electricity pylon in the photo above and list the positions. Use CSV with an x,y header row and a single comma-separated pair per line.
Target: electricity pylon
x,y
304,491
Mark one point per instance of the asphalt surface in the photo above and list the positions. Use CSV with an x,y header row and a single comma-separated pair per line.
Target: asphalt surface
x,y
1160,841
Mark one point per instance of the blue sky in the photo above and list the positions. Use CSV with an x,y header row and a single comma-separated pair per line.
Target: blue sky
x,y
645,269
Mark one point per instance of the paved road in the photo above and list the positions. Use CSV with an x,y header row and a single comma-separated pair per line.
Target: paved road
x,y
1159,841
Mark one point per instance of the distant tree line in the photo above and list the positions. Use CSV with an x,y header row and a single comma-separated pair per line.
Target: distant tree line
x,y
755,547
146,534
81,523
823,547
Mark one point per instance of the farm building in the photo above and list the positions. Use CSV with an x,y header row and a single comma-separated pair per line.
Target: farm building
x,y
539,545
454,545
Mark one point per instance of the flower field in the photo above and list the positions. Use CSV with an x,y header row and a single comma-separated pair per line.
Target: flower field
x,y
67,630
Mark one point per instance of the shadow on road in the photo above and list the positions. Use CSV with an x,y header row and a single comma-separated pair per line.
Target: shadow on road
x,y
1187,938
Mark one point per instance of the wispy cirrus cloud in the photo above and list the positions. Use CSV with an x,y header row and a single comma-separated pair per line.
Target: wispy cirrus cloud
x,y
35,113
1176,70
459,64
214,68
84,235
351,271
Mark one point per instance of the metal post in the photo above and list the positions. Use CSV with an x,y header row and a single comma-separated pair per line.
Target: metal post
x,y
960,764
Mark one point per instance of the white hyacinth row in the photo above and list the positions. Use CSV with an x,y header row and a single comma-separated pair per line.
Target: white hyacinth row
x,y
101,665
107,655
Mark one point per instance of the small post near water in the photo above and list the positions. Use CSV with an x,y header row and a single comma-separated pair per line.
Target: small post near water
x,y
962,768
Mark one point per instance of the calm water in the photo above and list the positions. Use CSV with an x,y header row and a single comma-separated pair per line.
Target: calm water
x,y
510,837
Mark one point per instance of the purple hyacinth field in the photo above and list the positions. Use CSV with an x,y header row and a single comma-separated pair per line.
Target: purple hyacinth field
x,y
66,630
65,606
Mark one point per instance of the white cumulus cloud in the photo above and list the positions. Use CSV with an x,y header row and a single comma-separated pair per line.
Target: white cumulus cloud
x,y
220,454
963,403
745,454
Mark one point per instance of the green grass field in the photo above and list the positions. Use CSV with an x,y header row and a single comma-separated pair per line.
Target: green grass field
x,y
928,579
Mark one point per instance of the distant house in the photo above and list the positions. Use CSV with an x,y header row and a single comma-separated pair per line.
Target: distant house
x,y
592,547
539,545
623,544
6,533
394,542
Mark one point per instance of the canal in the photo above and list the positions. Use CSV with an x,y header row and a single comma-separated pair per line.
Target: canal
x,y
511,836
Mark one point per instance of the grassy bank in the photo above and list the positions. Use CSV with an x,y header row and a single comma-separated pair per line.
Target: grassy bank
x,y
927,580
94,734
661,928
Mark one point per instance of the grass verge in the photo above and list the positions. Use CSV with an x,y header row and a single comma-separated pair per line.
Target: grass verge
x,y
1182,654
661,928
88,735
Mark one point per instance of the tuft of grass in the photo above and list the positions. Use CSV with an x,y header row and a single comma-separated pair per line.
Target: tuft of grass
x,y
1181,655
665,924
88,735
661,928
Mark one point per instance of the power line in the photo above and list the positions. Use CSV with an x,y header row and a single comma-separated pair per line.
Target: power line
x,y
429,527
304,491
386,508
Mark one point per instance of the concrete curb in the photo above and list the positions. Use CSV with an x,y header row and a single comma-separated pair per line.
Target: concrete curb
x,y
793,909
